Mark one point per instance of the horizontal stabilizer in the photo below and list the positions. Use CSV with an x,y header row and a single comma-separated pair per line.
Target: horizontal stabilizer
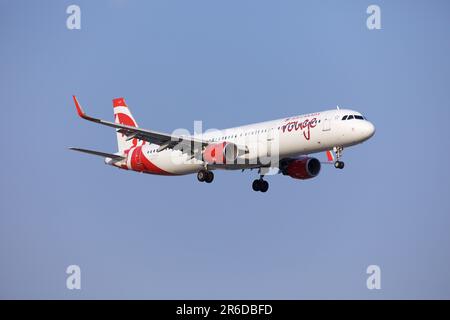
x,y
101,154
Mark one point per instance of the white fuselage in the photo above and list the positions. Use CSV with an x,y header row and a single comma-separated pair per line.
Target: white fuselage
x,y
277,139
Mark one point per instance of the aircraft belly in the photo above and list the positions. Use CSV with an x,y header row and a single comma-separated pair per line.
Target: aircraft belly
x,y
175,163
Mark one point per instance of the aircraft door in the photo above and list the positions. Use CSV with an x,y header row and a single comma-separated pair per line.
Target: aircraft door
x,y
270,138
137,160
326,126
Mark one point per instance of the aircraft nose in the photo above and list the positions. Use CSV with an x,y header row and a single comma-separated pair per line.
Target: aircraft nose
x,y
368,130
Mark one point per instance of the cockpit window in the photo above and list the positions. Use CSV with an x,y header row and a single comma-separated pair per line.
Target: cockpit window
x,y
353,116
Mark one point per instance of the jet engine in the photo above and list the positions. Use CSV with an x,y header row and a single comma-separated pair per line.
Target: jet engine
x,y
303,168
220,153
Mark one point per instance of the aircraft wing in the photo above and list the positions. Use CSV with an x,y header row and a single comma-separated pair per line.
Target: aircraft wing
x,y
187,144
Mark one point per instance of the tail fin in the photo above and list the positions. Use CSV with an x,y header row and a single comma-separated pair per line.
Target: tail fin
x,y
123,115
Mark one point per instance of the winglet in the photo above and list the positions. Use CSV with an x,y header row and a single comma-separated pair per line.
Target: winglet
x,y
79,109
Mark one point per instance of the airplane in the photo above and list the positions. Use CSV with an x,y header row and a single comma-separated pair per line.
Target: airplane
x,y
281,146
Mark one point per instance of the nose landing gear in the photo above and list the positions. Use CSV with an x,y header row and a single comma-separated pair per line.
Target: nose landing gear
x,y
205,176
260,185
338,164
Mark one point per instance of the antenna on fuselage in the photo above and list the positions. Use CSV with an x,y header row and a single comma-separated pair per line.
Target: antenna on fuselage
x,y
337,107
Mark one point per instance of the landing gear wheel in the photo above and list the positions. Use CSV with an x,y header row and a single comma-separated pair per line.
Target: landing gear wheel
x,y
209,177
339,165
201,175
264,186
256,185
260,185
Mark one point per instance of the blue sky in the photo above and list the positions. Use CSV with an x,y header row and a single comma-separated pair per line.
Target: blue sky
x,y
226,63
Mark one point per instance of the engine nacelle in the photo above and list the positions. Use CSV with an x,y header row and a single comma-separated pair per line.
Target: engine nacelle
x,y
304,168
220,153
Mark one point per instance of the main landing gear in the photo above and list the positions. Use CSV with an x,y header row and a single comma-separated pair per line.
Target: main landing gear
x,y
205,176
260,185
338,164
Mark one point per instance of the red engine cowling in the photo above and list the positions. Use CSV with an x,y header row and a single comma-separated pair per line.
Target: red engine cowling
x,y
220,153
304,168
